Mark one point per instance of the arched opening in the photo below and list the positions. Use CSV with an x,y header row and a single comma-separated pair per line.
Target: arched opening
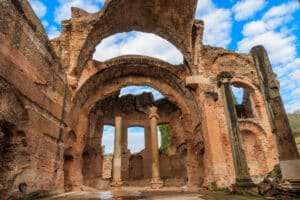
x,y
107,144
145,18
137,43
131,102
100,97
107,141
244,102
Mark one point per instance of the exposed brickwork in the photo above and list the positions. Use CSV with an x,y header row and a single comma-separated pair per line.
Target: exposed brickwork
x,y
55,100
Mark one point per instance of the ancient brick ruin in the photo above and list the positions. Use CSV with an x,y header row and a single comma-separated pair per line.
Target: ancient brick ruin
x,y
55,100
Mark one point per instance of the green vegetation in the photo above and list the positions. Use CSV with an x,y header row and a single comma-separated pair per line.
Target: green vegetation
x,y
233,96
165,137
294,119
225,195
240,197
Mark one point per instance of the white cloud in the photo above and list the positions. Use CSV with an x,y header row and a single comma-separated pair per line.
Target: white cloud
x,y
275,32
280,15
39,8
53,32
281,48
254,28
279,43
45,23
218,23
140,44
282,10
247,8
63,12
135,90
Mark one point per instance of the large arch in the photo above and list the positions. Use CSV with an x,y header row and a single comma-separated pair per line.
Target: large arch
x,y
171,20
109,81
131,60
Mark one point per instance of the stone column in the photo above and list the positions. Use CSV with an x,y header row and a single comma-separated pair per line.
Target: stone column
x,y
117,181
125,152
156,182
240,163
148,152
287,149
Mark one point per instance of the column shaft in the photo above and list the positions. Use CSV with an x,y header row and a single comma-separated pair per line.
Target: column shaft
x,y
239,158
117,181
156,181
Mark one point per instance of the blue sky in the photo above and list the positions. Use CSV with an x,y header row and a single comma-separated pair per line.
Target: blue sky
x,y
233,24
136,139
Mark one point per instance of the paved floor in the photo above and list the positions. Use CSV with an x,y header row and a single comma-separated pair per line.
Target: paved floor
x,y
146,194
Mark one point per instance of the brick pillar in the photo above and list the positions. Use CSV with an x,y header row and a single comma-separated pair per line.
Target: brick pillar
x,y
240,163
287,149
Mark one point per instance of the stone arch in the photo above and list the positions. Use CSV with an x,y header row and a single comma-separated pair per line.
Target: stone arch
x,y
133,60
172,21
107,82
230,59
252,126
258,100
144,68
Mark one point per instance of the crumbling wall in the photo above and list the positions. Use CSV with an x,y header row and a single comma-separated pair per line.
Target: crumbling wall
x,y
32,88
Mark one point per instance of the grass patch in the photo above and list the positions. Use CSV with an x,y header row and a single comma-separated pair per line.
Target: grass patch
x,y
227,196
239,197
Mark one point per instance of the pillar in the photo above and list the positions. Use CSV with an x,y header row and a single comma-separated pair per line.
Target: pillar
x,y
117,181
125,152
240,163
287,149
156,182
148,152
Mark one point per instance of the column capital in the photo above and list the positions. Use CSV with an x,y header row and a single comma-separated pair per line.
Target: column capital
x,y
224,77
153,112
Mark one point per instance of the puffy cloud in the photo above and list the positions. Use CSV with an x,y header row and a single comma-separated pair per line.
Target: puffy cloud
x,y
280,15
279,43
39,8
275,32
254,28
53,32
282,10
140,44
135,90
63,12
281,48
218,23
247,8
